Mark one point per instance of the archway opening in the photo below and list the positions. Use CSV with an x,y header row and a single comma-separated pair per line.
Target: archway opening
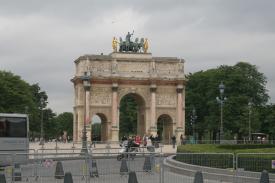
x,y
165,128
131,115
99,127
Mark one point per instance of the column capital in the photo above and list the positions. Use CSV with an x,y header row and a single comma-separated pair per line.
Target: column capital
x,y
179,88
153,87
114,87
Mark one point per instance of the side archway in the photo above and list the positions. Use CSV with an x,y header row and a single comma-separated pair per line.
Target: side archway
x,y
165,128
99,131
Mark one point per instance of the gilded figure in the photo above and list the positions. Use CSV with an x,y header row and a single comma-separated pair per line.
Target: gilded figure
x,y
114,44
145,45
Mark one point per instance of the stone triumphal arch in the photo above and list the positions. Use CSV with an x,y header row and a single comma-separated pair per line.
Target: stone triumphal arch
x,y
157,84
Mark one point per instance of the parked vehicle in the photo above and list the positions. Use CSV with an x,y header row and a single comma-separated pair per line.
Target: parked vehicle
x,y
14,130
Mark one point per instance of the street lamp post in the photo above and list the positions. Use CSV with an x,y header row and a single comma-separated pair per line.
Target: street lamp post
x,y
221,101
249,120
193,121
42,101
87,85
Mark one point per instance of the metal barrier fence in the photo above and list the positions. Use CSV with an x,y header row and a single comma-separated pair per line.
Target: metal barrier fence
x,y
143,167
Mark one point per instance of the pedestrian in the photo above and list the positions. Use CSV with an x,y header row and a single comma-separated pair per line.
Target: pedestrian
x,y
144,140
152,138
123,138
182,139
157,140
174,141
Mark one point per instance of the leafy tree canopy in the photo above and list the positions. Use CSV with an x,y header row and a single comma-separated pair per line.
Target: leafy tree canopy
x,y
243,83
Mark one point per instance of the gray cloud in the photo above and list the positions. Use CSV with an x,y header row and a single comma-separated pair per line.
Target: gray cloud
x,y
39,40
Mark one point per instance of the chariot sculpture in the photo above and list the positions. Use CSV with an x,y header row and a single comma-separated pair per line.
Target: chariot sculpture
x,y
130,46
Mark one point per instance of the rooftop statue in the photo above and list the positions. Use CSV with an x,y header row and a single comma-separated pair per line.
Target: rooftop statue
x,y
130,46
114,44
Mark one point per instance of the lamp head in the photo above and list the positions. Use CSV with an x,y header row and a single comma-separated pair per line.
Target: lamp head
x,y
221,88
86,80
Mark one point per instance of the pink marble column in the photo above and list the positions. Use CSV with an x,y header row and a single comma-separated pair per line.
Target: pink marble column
x,y
114,126
114,104
87,120
153,124
179,106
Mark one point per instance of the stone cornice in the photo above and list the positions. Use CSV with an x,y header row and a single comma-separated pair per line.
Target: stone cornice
x,y
131,81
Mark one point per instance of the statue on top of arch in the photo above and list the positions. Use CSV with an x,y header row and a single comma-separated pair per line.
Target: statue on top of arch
x,y
130,46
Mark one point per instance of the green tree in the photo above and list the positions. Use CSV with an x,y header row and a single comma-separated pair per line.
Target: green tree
x,y
128,116
63,122
96,131
243,83
18,96
15,94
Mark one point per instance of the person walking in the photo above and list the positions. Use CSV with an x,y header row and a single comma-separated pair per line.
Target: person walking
x,y
174,141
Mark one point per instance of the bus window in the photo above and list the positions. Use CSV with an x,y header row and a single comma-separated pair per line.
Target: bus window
x,y
2,128
13,127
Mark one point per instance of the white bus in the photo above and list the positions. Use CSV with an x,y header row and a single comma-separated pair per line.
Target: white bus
x,y
14,130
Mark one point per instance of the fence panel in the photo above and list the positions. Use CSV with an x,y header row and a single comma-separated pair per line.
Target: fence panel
x,y
182,167
252,164
145,166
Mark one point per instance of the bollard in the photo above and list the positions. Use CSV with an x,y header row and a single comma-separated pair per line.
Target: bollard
x,y
264,177
147,164
59,172
2,178
132,177
16,172
68,178
123,167
93,168
198,177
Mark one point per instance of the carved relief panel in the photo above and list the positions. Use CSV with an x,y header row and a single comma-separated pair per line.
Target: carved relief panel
x,y
166,96
167,68
101,95
100,66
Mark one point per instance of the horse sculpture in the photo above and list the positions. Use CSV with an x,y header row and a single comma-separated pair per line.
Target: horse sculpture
x,y
130,46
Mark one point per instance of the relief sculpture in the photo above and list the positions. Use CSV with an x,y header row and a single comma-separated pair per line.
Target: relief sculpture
x,y
166,96
100,66
100,95
167,68
166,99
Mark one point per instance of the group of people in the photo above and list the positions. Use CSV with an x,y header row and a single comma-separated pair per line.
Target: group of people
x,y
151,140
145,140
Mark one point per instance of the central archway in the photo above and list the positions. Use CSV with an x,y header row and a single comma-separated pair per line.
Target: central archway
x,y
132,115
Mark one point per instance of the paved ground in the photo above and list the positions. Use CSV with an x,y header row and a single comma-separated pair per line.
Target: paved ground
x,y
108,170
108,167
99,148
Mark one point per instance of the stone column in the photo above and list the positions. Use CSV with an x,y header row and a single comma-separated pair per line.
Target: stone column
x,y
179,128
153,125
88,117
114,126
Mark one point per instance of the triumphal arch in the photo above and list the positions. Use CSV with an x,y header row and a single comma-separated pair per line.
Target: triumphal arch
x,y
157,84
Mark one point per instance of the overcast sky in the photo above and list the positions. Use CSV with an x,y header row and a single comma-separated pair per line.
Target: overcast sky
x,y
39,40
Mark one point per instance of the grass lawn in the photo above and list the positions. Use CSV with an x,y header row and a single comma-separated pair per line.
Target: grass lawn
x,y
250,162
213,148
